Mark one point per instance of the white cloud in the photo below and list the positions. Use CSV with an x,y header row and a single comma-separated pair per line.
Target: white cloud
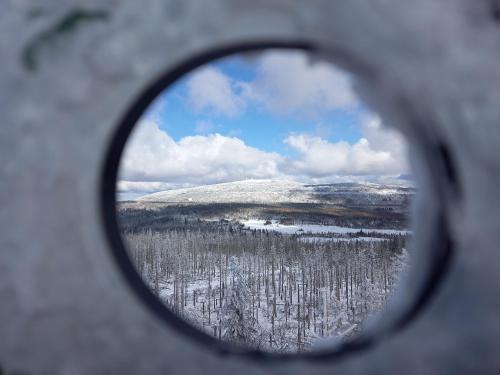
x,y
153,161
146,186
157,108
212,91
288,83
379,152
152,155
383,138
204,127
129,190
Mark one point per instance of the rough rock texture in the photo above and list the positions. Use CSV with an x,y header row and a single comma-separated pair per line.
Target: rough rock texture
x,y
69,70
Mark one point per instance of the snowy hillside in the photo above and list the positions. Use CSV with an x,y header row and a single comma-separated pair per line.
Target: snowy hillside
x,y
280,191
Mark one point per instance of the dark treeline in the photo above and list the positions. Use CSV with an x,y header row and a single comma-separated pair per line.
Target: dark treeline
x,y
163,215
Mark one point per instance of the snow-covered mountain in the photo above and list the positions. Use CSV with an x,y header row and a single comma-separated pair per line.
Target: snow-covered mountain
x,y
282,191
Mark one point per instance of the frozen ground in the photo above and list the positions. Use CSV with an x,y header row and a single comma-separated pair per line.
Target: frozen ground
x,y
314,239
313,228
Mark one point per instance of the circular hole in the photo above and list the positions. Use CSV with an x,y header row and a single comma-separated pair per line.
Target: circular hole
x,y
261,207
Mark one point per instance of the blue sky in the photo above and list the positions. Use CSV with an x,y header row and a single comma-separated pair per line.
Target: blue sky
x,y
275,115
258,126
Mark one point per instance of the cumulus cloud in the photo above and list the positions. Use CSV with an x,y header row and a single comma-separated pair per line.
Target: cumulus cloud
x,y
146,186
288,83
130,190
383,138
214,92
204,127
379,152
152,155
157,108
153,161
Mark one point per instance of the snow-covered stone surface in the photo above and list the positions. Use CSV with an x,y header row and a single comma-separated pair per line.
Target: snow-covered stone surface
x,y
70,69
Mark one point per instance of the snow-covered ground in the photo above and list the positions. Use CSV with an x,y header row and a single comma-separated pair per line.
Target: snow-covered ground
x,y
314,239
313,228
279,191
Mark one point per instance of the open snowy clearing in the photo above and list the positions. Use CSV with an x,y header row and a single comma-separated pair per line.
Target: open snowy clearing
x,y
313,228
316,239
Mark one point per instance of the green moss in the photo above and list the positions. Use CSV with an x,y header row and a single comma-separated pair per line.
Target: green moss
x,y
65,25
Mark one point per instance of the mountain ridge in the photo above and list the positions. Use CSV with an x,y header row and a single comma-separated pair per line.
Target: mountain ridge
x,y
277,191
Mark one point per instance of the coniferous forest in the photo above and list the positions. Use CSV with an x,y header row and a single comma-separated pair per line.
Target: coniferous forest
x,y
261,288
